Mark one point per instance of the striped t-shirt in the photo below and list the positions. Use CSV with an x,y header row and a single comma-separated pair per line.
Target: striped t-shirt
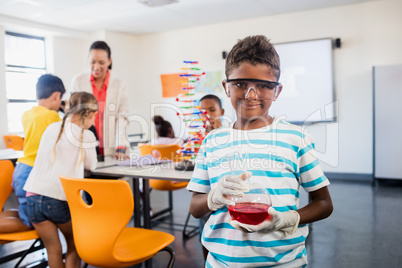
x,y
282,158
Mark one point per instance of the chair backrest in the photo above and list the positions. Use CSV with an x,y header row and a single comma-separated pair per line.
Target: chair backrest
x,y
14,142
165,151
6,177
162,151
96,227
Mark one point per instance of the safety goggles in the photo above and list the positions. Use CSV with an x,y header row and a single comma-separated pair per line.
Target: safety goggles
x,y
263,89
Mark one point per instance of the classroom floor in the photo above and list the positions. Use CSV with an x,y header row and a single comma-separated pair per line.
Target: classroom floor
x,y
364,230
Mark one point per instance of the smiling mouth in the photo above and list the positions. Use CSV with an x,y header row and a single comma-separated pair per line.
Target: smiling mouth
x,y
250,105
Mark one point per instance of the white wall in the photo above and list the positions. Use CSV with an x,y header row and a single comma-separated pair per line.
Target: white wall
x,y
67,59
370,34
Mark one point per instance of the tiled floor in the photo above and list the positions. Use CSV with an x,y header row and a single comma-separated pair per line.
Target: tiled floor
x,y
364,230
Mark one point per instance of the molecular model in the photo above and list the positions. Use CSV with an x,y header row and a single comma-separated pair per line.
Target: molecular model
x,y
191,113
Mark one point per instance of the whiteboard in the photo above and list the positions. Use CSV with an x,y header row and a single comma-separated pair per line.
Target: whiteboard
x,y
307,79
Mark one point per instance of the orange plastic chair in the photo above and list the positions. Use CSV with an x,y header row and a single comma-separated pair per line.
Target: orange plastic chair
x,y
167,152
100,233
14,142
164,152
6,175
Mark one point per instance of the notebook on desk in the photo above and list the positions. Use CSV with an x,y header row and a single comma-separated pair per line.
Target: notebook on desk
x,y
143,161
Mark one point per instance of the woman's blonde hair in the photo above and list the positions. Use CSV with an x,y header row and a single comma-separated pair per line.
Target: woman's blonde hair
x,y
80,104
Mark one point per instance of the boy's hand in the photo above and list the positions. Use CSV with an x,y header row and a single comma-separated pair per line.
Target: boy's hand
x,y
215,122
285,222
228,186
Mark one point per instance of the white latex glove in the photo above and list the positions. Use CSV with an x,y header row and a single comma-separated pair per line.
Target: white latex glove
x,y
227,186
286,222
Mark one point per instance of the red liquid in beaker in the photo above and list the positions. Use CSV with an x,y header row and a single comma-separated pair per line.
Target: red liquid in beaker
x,y
249,213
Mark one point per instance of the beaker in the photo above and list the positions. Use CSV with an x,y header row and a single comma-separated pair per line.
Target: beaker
x,y
252,207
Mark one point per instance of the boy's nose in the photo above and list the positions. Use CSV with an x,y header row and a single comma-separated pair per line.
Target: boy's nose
x,y
251,94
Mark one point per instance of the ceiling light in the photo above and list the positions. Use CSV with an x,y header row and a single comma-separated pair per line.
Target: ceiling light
x,y
157,3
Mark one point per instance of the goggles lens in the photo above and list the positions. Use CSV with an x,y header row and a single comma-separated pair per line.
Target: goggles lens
x,y
262,88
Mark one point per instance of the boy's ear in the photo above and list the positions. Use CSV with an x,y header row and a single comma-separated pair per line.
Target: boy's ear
x,y
278,91
222,111
224,84
56,95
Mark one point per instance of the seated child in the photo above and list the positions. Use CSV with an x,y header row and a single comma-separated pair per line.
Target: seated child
x,y
66,148
280,156
49,92
165,132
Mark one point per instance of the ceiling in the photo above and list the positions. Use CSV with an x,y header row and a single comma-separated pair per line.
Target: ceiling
x,y
130,16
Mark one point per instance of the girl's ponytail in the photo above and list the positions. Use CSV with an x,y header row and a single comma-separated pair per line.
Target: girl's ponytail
x,y
53,157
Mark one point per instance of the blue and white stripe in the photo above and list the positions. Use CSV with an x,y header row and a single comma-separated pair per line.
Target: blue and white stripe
x,y
281,158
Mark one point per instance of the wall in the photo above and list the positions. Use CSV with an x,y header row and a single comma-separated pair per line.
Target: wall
x,y
370,36
68,58
369,33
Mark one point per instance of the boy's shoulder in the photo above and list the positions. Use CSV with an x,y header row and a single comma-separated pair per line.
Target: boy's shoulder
x,y
41,114
295,134
217,132
281,124
41,111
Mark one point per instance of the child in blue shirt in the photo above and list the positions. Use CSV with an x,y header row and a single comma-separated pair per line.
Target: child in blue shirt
x,y
280,157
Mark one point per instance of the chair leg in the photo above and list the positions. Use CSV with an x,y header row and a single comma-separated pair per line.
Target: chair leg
x,y
172,256
191,232
32,248
170,201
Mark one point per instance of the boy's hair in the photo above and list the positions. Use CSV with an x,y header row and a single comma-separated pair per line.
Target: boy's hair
x,y
103,46
162,126
81,104
48,84
212,97
253,50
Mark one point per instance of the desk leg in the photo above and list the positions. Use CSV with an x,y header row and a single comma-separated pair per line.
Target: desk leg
x,y
147,206
137,203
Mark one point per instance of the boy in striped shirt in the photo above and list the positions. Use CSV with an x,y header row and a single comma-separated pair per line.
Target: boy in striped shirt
x,y
279,155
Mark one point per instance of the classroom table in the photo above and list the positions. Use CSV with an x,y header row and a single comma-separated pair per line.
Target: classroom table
x,y
10,154
163,171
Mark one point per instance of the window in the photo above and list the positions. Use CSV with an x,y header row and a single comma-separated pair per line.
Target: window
x,y
25,63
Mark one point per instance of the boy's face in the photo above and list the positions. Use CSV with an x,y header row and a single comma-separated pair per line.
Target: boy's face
x,y
212,107
248,105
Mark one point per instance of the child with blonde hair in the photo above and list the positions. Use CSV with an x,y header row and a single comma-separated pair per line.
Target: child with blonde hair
x,y
66,148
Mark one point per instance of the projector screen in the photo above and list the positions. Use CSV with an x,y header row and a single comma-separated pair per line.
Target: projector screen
x,y
307,79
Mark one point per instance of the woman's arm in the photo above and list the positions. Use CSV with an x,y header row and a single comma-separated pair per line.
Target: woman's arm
x,y
199,205
319,207
122,122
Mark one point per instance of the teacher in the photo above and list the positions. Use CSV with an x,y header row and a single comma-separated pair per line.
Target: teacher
x,y
110,92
